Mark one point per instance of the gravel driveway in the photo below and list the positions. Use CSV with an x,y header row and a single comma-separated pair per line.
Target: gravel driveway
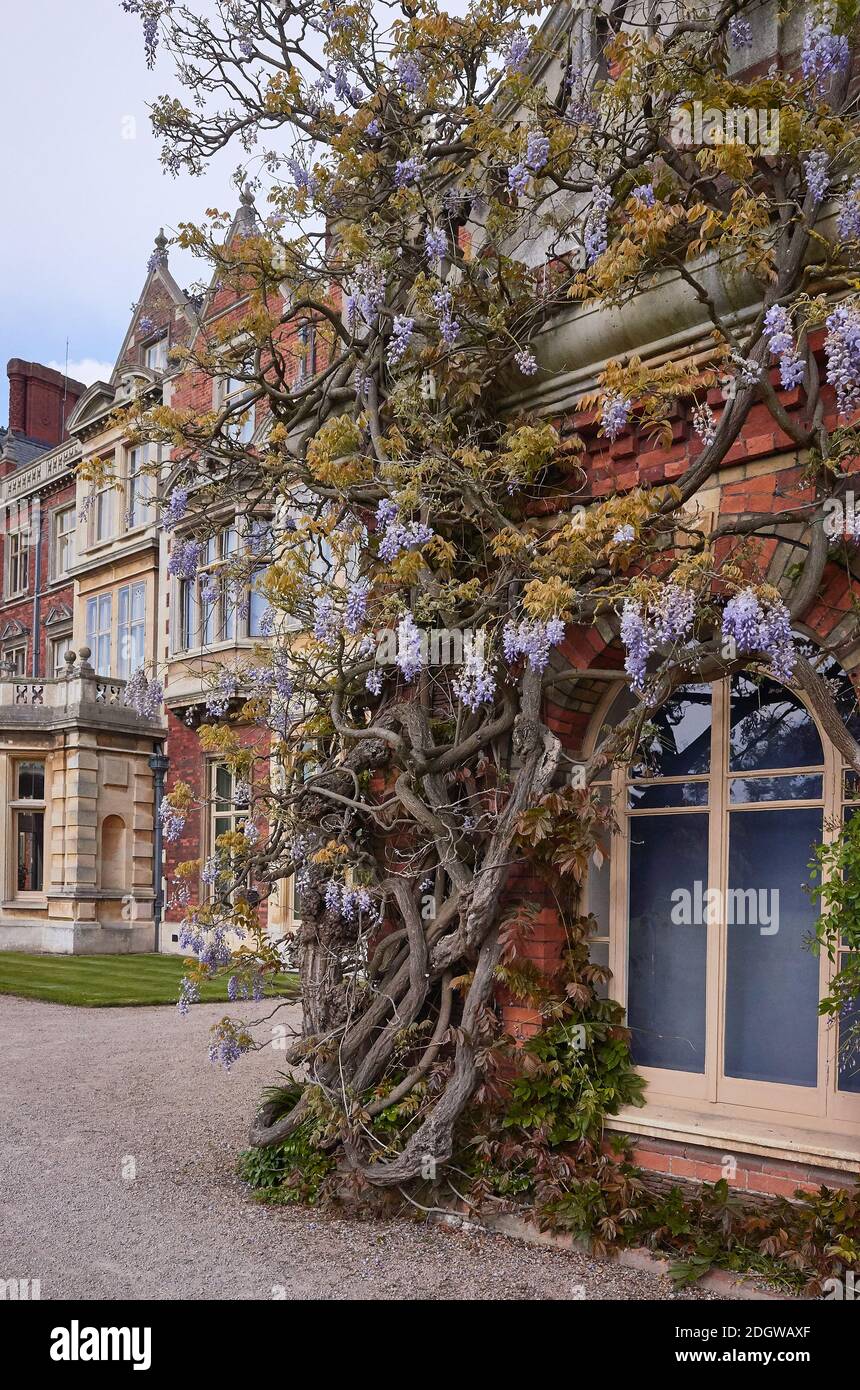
x,y
87,1094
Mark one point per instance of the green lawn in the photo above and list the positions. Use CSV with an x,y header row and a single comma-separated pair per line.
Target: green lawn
x,y
98,981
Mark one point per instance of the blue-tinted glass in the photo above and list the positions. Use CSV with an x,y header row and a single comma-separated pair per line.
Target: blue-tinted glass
x,y
678,741
852,786
849,1046
772,979
803,787
770,728
667,794
666,984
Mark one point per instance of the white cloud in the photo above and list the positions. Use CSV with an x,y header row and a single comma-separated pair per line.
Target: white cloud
x,y
85,369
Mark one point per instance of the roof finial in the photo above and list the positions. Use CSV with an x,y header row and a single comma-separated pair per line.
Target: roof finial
x,y
159,255
246,197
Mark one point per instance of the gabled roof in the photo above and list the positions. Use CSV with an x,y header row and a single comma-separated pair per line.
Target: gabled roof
x,y
159,284
246,222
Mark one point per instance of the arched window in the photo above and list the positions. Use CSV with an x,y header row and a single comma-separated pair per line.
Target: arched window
x,y
112,865
704,917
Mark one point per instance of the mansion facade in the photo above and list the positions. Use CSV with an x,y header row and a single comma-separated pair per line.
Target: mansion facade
x,y
745,1079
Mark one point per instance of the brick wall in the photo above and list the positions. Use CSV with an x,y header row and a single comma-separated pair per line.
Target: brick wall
x,y
51,596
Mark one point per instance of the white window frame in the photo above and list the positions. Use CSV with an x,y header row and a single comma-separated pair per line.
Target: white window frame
x,y
138,491
58,648
155,354
130,628
63,541
26,805
99,613
17,563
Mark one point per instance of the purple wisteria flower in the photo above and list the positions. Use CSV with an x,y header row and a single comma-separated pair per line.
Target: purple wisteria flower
x,y
824,54
518,53
761,627
435,243
740,32
644,194
537,149
410,657
374,681
400,339
596,233
409,72
476,684
842,350
189,993
780,340
645,628
624,534
225,689
228,1044
184,559
172,821
396,536
150,12
815,167
615,415
704,423
532,639
144,696
326,620
356,605
304,179
407,171
526,361
637,640
848,225
449,327
518,178
177,506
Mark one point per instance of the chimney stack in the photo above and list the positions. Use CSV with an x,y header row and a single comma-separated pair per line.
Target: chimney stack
x,y
40,401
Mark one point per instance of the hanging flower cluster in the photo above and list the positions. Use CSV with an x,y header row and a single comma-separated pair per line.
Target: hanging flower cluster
x,y
848,224
815,167
476,684
614,415
142,695
326,620
174,511
184,559
410,656
704,423
396,536
172,820
842,351
449,327
400,338
229,1043
645,628
824,54
346,902
518,53
532,639
596,234
780,340
740,32
761,626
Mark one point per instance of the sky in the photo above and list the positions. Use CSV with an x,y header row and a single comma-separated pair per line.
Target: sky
x,y
84,193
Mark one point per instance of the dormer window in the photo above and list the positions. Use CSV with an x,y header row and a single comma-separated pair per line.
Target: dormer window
x,y
155,355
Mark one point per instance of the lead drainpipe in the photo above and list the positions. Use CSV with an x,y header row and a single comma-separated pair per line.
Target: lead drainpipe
x,y
36,532
159,764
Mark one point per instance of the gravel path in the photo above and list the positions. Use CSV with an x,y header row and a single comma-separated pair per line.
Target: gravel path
x,y
86,1092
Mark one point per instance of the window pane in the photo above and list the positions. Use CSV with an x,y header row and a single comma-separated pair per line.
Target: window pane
x,y
675,794
31,781
772,978
666,986
679,741
224,785
803,787
770,728
598,954
30,827
849,1045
